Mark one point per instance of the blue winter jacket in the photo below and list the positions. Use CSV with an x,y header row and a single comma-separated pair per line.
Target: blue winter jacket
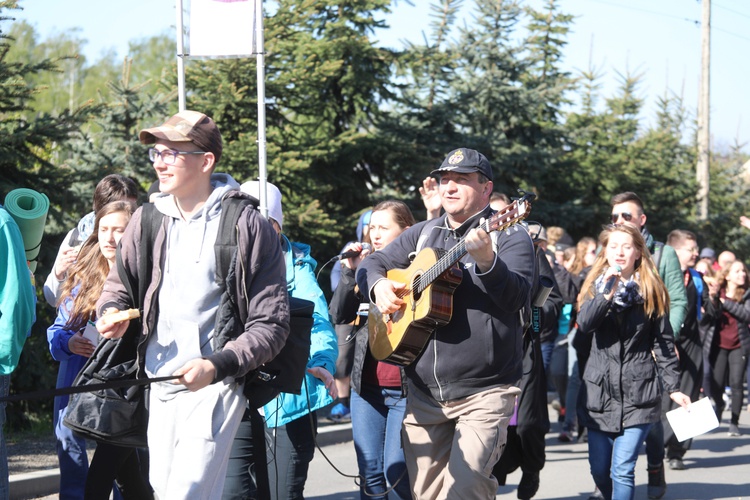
x,y
58,336
301,283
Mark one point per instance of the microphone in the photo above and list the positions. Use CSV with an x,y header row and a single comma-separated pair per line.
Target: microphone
x,y
611,283
353,253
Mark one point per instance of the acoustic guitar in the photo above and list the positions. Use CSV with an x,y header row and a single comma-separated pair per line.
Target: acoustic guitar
x,y
430,280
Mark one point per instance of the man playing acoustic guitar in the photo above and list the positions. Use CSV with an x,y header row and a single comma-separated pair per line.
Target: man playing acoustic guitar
x,y
463,383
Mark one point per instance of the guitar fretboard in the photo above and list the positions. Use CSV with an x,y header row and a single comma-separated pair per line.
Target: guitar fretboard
x,y
509,216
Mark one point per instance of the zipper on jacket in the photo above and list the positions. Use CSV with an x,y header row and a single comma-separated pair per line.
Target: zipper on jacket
x,y
434,364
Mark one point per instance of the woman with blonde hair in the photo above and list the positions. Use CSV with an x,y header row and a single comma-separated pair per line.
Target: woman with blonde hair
x,y
624,341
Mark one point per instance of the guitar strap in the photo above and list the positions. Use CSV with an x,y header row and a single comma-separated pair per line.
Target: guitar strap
x,y
427,229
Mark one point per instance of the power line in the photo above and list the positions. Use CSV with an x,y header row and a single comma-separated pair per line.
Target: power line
x,y
696,22
731,10
629,7
730,33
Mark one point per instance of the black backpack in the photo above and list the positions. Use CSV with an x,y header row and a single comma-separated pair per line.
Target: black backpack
x,y
286,371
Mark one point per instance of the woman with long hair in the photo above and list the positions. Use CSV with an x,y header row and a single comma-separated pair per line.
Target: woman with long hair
x,y
726,344
72,341
378,397
625,342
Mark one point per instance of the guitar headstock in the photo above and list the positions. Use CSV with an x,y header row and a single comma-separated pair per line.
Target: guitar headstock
x,y
510,215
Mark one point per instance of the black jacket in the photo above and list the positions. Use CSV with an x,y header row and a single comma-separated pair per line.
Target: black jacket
x,y
710,321
553,305
481,346
620,383
343,310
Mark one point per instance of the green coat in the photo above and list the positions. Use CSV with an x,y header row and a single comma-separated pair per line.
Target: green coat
x,y
671,273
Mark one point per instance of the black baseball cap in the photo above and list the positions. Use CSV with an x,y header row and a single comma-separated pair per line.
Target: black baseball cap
x,y
465,161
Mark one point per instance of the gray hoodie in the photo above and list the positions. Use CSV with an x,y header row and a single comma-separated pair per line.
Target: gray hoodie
x,y
185,327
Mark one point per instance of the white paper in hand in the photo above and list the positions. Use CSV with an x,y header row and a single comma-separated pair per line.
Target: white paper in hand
x,y
91,333
698,419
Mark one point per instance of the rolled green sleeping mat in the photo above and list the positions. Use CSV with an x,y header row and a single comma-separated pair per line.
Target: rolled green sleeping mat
x,y
29,209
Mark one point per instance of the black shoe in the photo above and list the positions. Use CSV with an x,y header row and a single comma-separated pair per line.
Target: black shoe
x,y
528,486
596,495
676,464
734,430
657,484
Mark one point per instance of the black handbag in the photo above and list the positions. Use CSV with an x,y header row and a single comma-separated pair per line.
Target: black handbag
x,y
285,372
116,416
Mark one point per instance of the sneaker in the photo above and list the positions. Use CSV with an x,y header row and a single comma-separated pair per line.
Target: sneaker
x,y
734,430
528,486
657,483
340,413
565,437
676,464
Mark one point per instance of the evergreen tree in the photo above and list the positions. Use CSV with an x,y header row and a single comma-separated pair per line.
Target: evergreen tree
x,y
110,144
324,82
422,122
29,144
727,202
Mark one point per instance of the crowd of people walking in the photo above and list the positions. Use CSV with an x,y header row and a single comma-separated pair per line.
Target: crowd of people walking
x,y
443,342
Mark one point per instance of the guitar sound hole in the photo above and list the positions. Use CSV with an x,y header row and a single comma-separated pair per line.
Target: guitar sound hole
x,y
415,289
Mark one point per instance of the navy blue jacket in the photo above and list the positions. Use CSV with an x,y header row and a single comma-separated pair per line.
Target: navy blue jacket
x,y
481,346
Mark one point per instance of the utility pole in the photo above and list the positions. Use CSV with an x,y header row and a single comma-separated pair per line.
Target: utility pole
x,y
704,112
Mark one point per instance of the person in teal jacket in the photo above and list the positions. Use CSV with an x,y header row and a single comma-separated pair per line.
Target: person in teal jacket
x,y
290,419
17,314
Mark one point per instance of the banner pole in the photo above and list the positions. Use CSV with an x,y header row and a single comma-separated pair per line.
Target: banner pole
x,y
180,58
261,75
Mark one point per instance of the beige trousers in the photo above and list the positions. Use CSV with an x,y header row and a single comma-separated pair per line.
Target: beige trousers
x,y
451,446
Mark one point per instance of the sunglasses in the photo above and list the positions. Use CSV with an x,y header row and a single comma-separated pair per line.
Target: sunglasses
x,y
627,216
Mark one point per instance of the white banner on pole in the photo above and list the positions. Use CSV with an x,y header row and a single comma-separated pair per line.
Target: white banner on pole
x,y
222,28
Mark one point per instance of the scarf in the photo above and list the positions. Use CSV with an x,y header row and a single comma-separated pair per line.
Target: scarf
x,y
626,295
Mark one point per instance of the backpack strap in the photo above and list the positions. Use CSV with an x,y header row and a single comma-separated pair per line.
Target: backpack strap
x,y
226,241
151,220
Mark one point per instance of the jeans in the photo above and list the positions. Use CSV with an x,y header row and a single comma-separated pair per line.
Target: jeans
x,y
377,417
129,466
292,447
612,457
574,384
71,454
547,348
4,487
247,471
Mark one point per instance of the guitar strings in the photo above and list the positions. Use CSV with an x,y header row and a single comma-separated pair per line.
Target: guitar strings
x,y
454,254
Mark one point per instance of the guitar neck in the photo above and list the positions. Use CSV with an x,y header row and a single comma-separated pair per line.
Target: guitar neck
x,y
443,264
507,217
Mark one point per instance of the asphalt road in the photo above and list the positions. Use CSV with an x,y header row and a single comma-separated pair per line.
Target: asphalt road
x,y
718,468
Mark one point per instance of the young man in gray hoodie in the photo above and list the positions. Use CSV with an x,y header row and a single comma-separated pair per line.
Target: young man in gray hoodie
x,y
192,422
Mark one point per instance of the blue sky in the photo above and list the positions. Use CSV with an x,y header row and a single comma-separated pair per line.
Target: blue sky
x,y
657,38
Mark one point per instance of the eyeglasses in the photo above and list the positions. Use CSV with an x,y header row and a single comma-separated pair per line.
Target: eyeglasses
x,y
691,250
627,216
168,156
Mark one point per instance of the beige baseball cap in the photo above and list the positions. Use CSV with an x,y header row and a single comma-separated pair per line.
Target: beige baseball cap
x,y
187,126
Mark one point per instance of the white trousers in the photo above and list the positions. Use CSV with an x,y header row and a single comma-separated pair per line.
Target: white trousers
x,y
190,438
